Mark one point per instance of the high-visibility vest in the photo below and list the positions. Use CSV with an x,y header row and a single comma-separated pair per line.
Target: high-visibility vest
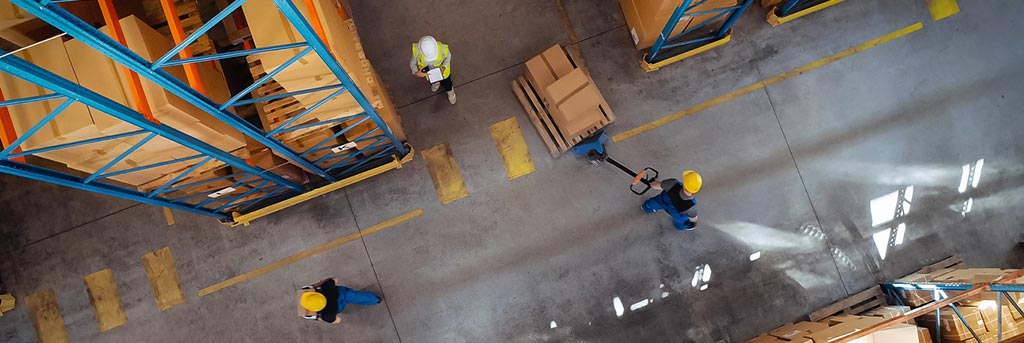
x,y
421,62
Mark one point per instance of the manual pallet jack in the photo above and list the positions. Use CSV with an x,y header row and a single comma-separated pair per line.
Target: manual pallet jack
x,y
593,149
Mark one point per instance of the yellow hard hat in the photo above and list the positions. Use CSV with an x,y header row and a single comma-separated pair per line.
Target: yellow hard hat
x,y
313,301
692,181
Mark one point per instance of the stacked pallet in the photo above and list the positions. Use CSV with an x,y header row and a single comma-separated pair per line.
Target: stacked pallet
x,y
311,72
647,18
561,100
866,309
188,15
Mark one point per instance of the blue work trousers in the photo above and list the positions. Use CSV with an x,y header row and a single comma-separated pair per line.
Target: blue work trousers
x,y
347,295
662,202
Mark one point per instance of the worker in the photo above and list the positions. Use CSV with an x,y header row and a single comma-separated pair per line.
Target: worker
x,y
429,54
326,300
676,199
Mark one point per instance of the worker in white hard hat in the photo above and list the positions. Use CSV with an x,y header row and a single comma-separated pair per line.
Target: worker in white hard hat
x,y
432,60
676,199
325,300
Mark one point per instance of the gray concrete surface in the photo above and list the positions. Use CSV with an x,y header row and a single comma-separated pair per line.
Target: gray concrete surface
x,y
790,172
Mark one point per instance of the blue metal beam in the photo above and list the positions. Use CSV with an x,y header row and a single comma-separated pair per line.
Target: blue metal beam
x,y
46,175
67,22
232,54
42,78
289,11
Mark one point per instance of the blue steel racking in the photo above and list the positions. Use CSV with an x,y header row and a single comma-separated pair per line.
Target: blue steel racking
x,y
791,9
669,48
965,289
344,164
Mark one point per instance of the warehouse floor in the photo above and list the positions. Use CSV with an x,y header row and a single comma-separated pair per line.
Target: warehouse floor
x,y
791,172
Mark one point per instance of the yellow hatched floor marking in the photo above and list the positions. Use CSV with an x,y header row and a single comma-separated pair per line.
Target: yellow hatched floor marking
x,y
767,82
309,253
163,278
445,173
105,299
508,138
46,317
942,8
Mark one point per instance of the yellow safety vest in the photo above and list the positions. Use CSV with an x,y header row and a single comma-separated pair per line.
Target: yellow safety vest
x,y
421,62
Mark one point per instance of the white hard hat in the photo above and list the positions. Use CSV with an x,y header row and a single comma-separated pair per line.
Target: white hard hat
x,y
428,48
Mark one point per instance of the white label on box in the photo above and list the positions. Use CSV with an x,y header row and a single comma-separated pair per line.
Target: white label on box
x,y
636,40
221,193
343,147
435,75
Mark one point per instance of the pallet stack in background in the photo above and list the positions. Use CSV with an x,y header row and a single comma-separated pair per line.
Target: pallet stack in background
x,y
865,309
147,34
647,18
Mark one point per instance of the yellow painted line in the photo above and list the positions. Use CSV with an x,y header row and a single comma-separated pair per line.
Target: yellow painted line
x,y
245,219
445,173
508,138
767,82
46,317
942,8
163,278
105,299
309,253
169,216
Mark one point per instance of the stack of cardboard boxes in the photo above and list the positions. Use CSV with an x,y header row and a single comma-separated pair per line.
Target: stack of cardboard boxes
x,y
79,63
561,99
836,328
311,72
979,312
647,18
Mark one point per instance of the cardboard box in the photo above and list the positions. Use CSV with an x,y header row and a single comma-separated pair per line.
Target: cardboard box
x,y
267,160
888,311
646,19
772,339
544,69
310,71
924,336
990,315
842,329
796,332
896,333
308,141
575,103
952,328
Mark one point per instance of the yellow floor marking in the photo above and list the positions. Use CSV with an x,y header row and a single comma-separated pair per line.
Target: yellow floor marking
x,y
767,82
169,216
311,252
508,138
163,278
445,173
106,301
942,8
46,318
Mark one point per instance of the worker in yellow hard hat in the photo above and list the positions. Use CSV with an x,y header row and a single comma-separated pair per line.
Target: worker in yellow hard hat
x,y
326,300
676,198
433,61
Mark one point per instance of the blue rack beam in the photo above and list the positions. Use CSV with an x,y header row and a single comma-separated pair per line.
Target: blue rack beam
x,y
72,93
152,71
666,41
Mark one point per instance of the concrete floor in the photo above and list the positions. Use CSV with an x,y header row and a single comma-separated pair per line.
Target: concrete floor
x,y
790,172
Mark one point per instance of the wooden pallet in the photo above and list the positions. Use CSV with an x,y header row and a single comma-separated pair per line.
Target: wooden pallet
x,y
188,14
551,134
954,262
855,304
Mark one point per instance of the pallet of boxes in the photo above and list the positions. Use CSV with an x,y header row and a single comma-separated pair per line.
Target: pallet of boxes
x,y
859,312
561,100
75,61
311,72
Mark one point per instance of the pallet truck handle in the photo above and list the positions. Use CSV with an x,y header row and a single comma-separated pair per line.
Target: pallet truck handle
x,y
644,177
